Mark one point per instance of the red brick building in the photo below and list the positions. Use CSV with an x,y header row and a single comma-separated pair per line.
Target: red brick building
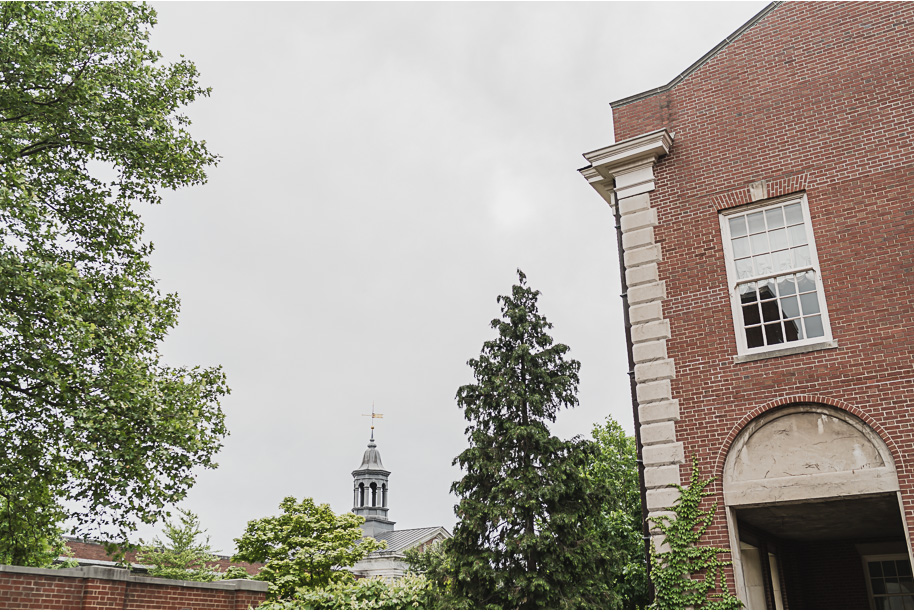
x,y
766,207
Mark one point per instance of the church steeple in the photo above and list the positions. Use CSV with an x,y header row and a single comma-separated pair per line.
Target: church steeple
x,y
370,489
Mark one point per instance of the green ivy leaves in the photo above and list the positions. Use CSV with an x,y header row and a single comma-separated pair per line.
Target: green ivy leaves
x,y
689,575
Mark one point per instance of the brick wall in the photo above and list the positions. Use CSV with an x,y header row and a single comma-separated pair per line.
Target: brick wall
x,y
824,576
816,97
98,588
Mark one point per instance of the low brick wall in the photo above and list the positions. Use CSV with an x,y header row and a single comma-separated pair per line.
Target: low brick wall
x,y
105,588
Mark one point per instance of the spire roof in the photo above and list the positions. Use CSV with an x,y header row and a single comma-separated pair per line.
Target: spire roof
x,y
371,460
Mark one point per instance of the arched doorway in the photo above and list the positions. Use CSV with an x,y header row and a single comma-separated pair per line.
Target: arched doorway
x,y
814,513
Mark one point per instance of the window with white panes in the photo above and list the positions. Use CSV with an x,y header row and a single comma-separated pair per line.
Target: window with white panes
x,y
773,274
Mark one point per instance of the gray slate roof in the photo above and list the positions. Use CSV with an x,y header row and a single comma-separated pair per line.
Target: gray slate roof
x,y
401,540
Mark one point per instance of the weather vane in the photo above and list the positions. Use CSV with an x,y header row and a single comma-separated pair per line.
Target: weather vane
x,y
374,415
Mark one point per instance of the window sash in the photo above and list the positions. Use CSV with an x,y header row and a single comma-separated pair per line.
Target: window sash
x,y
764,277
883,588
744,230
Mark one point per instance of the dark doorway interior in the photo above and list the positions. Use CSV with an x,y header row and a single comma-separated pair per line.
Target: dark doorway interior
x,y
846,553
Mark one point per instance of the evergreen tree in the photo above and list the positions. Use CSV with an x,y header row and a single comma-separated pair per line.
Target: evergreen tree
x,y
187,554
527,535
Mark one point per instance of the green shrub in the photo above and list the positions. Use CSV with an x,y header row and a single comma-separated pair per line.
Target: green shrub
x,y
410,592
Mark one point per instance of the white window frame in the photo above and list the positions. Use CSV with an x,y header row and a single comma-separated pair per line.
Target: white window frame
x,y
733,281
869,579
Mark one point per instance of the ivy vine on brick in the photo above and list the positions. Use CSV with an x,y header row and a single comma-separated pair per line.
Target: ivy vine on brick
x,y
690,575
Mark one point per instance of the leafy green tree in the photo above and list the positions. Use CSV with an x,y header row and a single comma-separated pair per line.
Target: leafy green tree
x,y
93,426
410,592
614,474
690,574
184,555
304,547
30,518
527,513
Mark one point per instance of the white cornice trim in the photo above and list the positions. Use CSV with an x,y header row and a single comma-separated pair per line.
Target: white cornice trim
x,y
640,148
626,167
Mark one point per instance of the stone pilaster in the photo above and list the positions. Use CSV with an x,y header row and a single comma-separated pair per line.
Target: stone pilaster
x,y
623,175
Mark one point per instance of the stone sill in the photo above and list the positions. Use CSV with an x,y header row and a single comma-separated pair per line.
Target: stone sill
x,y
794,350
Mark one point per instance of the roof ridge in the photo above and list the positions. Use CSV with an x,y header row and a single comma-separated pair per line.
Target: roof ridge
x,y
704,58
412,529
418,528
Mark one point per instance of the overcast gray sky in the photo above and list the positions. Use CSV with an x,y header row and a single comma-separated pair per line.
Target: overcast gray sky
x,y
385,170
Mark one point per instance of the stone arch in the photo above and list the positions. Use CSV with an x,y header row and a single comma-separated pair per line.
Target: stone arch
x,y
806,451
803,399
802,479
